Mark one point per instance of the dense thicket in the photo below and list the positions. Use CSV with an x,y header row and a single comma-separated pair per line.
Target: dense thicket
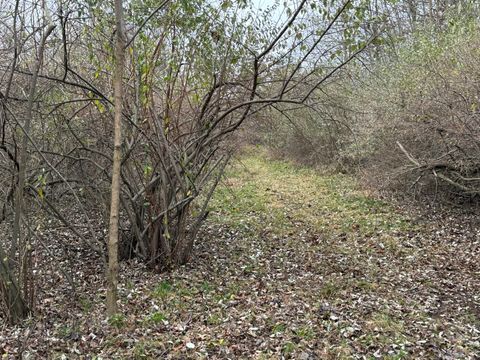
x,y
194,72
405,117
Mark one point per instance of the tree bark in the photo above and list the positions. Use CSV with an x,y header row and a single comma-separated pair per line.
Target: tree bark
x,y
112,273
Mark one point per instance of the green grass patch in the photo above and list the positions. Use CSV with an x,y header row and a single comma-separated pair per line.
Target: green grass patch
x,y
279,328
117,321
260,193
162,290
306,333
157,318
288,348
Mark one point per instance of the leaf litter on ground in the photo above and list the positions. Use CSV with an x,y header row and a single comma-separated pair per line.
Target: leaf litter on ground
x,y
290,264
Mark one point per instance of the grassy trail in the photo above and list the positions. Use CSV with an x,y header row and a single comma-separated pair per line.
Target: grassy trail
x,y
344,275
291,195
291,264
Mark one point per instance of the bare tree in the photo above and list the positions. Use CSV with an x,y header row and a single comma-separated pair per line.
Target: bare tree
x,y
16,269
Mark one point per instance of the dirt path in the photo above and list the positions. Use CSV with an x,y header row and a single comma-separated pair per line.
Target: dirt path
x,y
292,264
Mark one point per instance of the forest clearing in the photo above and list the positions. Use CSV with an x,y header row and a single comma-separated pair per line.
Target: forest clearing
x,y
291,264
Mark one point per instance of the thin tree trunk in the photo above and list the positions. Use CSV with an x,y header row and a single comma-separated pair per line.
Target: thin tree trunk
x,y
112,273
16,300
17,234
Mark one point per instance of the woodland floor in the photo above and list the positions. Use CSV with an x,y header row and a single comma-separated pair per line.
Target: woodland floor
x,y
291,264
